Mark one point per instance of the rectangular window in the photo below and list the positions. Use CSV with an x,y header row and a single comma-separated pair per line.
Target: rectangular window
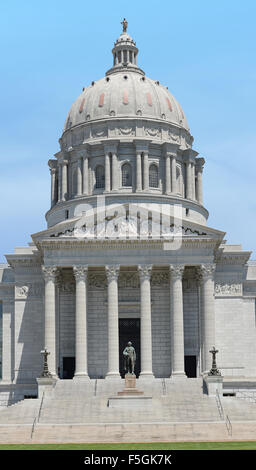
x,y
1,336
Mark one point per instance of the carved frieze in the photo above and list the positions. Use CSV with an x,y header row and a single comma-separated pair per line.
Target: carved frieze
x,y
99,131
228,288
153,132
126,131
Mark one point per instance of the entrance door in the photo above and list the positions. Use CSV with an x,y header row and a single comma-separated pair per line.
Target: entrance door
x,y
129,330
190,366
68,367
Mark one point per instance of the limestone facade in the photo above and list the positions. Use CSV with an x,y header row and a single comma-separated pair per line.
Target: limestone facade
x,y
126,149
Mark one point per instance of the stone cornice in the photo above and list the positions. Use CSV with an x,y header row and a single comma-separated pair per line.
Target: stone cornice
x,y
24,260
239,258
70,243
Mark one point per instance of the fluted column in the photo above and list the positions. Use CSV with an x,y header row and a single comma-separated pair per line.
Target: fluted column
x,y
85,175
145,171
112,273
79,177
177,327
138,171
49,273
167,173
80,273
59,182
107,172
207,272
145,321
188,180
115,172
193,184
64,180
54,195
174,178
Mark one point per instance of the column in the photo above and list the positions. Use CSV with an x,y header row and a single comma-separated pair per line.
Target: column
x,y
145,171
199,185
79,177
138,171
174,179
49,273
59,182
115,172
188,180
64,180
8,324
112,273
208,314
145,321
85,175
107,172
167,174
54,195
193,177
80,273
177,328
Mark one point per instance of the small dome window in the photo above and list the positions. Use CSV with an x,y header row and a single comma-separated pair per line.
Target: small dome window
x,y
153,176
126,175
100,177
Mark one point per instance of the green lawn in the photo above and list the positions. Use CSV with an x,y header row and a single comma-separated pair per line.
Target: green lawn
x,y
236,445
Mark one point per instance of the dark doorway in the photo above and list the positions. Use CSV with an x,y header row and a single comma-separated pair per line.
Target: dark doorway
x,y
69,364
190,366
129,330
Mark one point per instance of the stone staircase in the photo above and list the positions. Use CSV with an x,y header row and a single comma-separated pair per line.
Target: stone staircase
x,y
79,411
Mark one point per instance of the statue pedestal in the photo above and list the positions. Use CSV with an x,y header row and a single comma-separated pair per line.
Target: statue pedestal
x,y
130,386
130,395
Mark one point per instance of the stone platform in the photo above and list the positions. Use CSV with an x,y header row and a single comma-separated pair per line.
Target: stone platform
x,y
130,396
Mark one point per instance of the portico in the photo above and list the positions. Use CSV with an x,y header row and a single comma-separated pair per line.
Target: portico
x,y
110,281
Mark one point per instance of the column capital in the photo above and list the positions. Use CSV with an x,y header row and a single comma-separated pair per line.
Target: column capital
x,y
112,272
145,271
199,162
52,165
176,270
207,271
80,272
49,273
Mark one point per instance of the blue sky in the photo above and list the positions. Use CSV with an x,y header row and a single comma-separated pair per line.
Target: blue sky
x,y
203,51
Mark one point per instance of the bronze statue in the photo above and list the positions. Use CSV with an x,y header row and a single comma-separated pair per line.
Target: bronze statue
x,y
129,358
125,24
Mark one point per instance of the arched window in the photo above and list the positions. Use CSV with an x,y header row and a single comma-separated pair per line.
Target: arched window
x,y
153,176
126,175
100,177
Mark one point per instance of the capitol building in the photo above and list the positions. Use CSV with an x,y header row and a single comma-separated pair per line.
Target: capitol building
x,y
127,254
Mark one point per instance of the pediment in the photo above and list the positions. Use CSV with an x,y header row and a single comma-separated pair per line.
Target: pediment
x,y
116,226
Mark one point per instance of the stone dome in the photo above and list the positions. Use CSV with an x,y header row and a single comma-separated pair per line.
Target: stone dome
x,y
125,94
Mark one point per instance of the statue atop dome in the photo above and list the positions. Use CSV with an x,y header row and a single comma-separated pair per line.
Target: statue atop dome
x,y
125,25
